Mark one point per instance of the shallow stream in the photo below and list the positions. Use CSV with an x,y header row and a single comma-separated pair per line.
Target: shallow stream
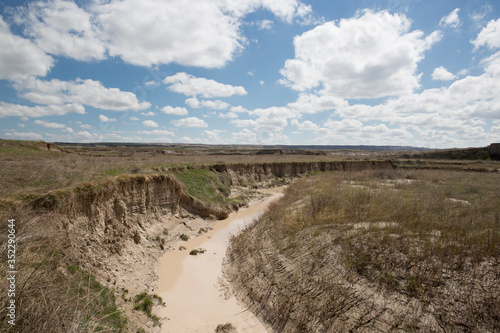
x,y
194,289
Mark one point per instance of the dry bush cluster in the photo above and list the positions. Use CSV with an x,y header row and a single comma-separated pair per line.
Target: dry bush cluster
x,y
378,251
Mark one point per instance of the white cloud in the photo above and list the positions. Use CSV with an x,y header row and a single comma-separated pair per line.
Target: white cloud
x,y
148,114
157,132
245,136
480,14
230,115
214,135
49,124
176,111
146,33
19,57
24,135
273,119
152,83
489,36
134,118
192,86
87,92
105,119
244,122
16,110
150,123
442,74
265,25
21,125
305,126
238,109
87,127
153,32
449,116
286,10
371,55
451,20
217,104
312,103
62,28
190,122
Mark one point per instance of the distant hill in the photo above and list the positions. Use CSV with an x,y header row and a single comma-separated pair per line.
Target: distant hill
x,y
224,146
492,152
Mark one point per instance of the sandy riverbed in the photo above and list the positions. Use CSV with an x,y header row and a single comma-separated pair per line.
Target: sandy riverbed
x,y
193,288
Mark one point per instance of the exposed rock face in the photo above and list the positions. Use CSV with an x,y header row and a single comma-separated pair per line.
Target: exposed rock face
x,y
257,172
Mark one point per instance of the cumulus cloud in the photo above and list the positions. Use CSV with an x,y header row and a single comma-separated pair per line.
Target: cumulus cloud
x,y
272,119
157,132
87,92
190,122
217,104
312,103
192,86
489,36
265,25
244,122
150,123
19,57
105,119
245,136
442,74
153,32
305,126
286,10
371,55
451,20
62,28
146,33
213,135
176,111
49,124
24,135
453,115
16,110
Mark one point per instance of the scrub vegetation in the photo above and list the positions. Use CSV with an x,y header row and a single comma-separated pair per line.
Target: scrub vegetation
x,y
389,250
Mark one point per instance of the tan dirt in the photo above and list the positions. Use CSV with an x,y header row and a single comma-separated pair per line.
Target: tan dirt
x,y
194,291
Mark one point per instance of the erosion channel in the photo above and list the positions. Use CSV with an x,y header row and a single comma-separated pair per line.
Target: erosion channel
x,y
192,286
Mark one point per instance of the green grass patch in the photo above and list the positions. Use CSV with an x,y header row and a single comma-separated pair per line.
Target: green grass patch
x,y
98,302
145,302
210,187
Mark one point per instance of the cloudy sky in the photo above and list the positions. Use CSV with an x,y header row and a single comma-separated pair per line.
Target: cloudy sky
x,y
391,72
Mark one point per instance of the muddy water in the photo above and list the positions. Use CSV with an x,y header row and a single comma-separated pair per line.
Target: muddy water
x,y
193,287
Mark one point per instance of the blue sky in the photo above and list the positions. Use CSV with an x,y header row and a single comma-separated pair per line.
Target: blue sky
x,y
392,72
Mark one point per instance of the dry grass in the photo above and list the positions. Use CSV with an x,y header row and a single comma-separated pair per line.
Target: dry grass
x,y
50,296
425,243
25,169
